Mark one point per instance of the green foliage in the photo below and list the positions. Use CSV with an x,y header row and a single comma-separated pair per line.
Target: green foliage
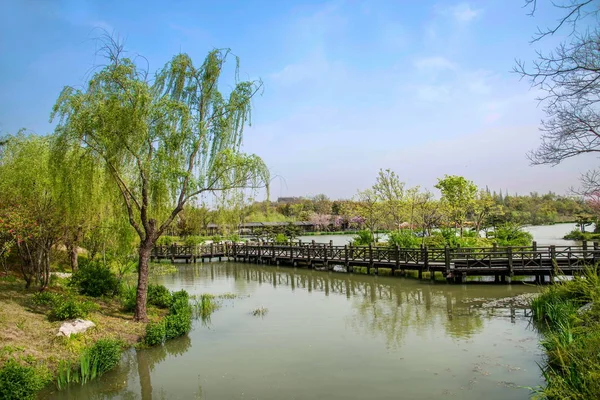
x,y
576,234
95,279
234,237
21,382
45,298
177,323
571,338
403,239
281,238
217,238
65,308
129,297
363,238
512,235
193,240
166,240
94,361
155,333
105,354
206,305
159,296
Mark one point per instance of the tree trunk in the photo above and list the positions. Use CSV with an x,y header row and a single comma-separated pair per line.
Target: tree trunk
x,y
142,290
72,250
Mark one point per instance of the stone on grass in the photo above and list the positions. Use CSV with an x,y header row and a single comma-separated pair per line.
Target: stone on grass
x,y
77,326
582,310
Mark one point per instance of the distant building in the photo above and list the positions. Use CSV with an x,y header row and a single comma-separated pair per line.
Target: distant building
x,y
288,200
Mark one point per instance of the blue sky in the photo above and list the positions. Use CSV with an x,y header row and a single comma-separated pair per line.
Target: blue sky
x,y
423,88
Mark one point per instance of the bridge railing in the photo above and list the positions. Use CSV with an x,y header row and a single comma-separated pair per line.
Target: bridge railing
x,y
520,257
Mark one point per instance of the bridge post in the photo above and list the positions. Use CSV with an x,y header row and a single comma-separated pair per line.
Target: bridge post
x,y
447,260
396,260
370,259
422,266
595,255
534,245
246,259
173,250
553,259
346,257
585,247
509,255
273,253
212,250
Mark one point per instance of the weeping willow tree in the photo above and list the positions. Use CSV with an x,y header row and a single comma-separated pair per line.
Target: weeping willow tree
x,y
163,141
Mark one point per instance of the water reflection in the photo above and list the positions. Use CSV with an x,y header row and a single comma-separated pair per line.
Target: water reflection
x,y
312,343
383,305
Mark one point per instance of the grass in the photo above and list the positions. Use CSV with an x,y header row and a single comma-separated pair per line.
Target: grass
x,y
26,332
571,338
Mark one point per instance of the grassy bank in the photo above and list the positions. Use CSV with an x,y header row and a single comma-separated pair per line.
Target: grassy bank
x,y
33,356
576,234
568,315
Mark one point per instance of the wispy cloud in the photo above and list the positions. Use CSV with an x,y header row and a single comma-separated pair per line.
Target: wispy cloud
x,y
434,63
464,13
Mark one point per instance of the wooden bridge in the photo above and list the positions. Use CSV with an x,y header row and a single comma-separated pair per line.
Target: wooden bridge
x,y
503,263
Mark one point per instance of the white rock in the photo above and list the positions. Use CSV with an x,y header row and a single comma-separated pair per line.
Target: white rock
x,y
77,326
582,310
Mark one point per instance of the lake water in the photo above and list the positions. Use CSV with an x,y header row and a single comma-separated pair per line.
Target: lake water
x,y
545,235
332,335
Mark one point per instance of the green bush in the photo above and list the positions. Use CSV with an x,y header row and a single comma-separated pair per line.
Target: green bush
x,y
512,235
179,320
159,296
129,297
217,238
45,298
105,354
95,279
194,240
363,238
166,240
403,239
179,296
21,381
69,308
155,333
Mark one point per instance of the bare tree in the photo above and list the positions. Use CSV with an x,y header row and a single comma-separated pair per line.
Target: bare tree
x,y
569,80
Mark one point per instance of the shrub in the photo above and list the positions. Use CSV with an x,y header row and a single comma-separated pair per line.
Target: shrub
x,y
193,240
21,381
95,279
166,240
217,238
105,354
363,238
129,298
179,320
45,298
177,324
159,296
280,238
155,333
512,235
180,295
403,239
69,308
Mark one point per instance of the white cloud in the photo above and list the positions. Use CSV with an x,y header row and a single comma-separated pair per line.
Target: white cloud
x,y
464,13
434,63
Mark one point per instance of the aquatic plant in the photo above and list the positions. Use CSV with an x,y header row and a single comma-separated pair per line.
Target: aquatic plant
x,y
260,312
205,305
571,337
